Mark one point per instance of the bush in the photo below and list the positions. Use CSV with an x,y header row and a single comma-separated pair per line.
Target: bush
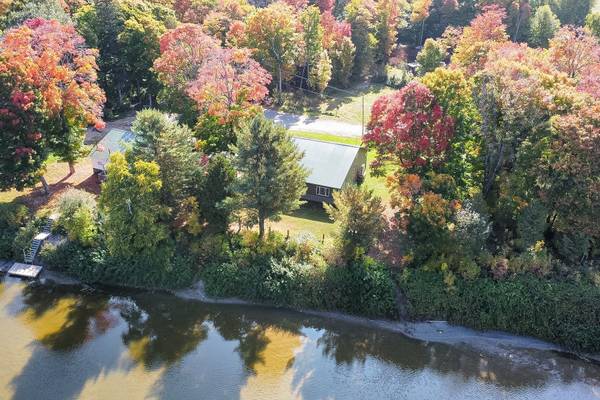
x,y
397,78
73,259
524,305
22,240
364,287
13,216
78,212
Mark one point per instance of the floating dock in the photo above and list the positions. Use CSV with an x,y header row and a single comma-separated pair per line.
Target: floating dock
x,y
25,270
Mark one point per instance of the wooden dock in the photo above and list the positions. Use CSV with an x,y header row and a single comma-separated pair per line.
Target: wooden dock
x,y
25,270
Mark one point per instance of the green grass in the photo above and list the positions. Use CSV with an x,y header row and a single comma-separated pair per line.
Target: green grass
x,y
344,106
308,219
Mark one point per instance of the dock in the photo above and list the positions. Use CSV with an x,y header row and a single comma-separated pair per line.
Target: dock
x,y
25,270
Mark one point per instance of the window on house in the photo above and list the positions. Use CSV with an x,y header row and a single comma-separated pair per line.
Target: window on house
x,y
323,191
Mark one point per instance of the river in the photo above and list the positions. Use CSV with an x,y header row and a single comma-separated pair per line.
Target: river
x,y
68,342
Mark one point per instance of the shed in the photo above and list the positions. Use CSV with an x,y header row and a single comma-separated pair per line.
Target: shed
x,y
116,140
331,166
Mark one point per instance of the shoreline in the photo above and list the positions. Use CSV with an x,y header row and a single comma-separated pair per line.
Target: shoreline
x,y
493,342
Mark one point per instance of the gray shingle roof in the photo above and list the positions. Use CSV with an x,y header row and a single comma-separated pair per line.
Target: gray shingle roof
x,y
327,163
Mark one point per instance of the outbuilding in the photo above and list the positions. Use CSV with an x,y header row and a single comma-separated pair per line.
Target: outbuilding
x,y
331,167
116,140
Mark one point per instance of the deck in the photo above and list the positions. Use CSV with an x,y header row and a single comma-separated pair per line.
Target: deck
x,y
25,270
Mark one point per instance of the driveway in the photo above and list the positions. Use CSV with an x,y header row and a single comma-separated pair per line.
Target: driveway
x,y
313,124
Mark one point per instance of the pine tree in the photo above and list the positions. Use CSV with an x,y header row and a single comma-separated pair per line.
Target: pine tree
x,y
271,179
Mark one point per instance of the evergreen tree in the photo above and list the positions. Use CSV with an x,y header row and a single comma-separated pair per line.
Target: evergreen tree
x,y
271,179
544,25
359,216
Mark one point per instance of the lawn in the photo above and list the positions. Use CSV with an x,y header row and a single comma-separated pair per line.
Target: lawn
x,y
58,178
345,106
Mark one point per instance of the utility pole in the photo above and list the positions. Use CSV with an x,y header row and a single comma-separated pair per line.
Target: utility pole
x,y
363,117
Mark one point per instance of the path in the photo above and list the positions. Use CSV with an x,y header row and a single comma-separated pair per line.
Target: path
x,y
313,124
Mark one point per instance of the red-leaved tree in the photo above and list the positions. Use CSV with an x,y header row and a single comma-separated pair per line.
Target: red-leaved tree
x,y
409,128
53,60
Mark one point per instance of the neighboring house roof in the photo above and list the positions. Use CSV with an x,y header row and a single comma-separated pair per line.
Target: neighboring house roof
x,y
328,164
115,140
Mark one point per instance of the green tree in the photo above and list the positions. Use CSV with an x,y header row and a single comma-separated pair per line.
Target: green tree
x,y
214,188
271,179
130,202
571,12
543,26
313,39
431,56
359,218
48,9
320,74
592,22
171,146
342,61
454,94
127,34
365,42
78,216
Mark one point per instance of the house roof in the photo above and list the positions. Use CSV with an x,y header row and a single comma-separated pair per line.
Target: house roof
x,y
115,140
328,163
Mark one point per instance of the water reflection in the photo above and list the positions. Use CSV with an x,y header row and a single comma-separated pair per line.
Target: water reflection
x,y
62,343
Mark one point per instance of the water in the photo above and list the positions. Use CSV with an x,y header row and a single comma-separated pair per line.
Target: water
x,y
60,342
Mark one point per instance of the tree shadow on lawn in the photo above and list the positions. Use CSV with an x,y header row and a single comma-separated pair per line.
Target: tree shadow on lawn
x,y
311,211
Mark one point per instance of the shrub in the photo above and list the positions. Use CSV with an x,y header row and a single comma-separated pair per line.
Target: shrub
x,y
524,305
23,238
13,216
78,212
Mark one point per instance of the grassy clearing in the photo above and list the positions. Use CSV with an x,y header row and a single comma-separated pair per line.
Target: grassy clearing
x,y
336,105
58,178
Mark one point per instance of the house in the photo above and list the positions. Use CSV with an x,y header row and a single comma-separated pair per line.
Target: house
x,y
116,140
331,167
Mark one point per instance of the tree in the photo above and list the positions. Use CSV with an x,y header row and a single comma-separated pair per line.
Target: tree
x,y
360,15
573,50
453,92
78,216
337,40
25,141
410,128
592,22
214,189
431,56
271,179
171,146
126,33
419,13
229,85
320,75
569,173
131,204
313,39
342,61
571,12
47,9
52,59
543,26
387,13
485,32
272,33
359,218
